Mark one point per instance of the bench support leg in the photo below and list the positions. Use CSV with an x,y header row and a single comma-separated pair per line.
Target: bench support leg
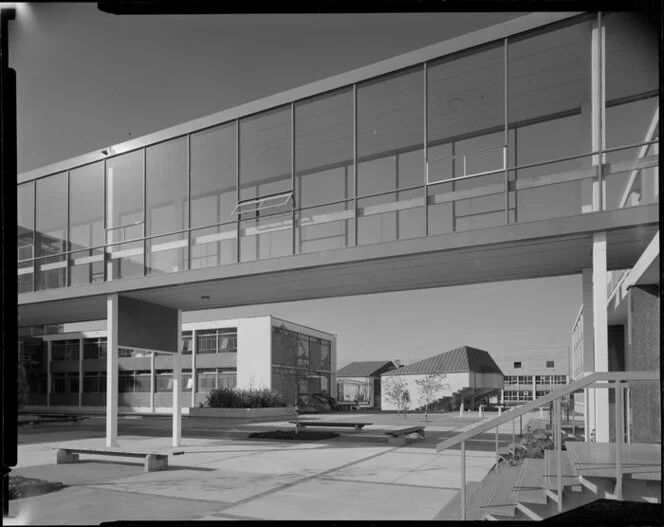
x,y
154,463
65,456
396,441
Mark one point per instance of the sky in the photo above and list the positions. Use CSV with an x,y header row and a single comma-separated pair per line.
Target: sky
x,y
87,80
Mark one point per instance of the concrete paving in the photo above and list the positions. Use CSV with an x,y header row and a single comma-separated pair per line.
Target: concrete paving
x,y
226,479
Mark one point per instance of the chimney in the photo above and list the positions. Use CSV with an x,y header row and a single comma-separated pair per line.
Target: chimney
x,y
397,362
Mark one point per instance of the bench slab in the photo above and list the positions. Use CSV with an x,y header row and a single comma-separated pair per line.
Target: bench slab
x,y
398,437
302,424
153,462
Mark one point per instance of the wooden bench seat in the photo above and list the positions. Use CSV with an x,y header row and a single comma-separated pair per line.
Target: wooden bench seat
x,y
302,424
153,461
398,437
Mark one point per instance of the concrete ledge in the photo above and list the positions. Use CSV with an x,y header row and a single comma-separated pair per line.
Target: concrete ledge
x,y
244,413
397,441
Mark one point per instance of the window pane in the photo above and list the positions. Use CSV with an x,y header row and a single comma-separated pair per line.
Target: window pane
x,y
325,228
265,152
213,175
124,195
51,272
125,260
25,220
214,246
466,96
390,120
86,206
166,182
51,218
324,148
167,254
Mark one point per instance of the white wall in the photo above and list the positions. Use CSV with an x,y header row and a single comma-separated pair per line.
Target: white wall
x,y
454,382
254,352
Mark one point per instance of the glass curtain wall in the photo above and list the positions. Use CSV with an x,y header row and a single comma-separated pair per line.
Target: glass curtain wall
x,y
511,131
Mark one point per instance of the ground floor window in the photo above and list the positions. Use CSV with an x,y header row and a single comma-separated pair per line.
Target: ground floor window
x,y
355,391
94,382
64,382
37,382
212,378
134,381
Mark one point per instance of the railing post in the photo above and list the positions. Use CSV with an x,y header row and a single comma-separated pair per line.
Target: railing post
x,y
559,454
619,440
513,432
496,445
463,480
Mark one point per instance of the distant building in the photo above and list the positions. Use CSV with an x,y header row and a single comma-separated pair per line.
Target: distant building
x,y
67,370
531,374
469,372
360,382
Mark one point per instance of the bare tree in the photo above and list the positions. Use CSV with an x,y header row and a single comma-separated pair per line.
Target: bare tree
x,y
396,391
289,341
429,387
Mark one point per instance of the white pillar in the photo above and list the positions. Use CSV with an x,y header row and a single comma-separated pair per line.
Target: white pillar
x,y
49,379
588,358
601,335
177,420
80,373
152,384
193,368
534,389
502,396
112,370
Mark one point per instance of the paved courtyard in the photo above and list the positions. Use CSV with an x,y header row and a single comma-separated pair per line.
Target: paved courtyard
x,y
350,477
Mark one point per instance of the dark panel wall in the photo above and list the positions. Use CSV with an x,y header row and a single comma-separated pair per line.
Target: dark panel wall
x,y
64,399
147,326
94,399
643,355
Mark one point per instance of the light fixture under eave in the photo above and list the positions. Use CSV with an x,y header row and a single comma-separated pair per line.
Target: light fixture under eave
x,y
456,103
205,297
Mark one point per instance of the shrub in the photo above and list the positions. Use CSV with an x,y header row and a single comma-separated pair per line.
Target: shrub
x,y
239,398
532,445
21,487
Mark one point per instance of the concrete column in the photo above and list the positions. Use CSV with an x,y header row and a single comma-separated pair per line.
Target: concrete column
x,y
502,397
193,369
588,358
49,380
177,420
80,373
152,383
112,370
534,389
601,334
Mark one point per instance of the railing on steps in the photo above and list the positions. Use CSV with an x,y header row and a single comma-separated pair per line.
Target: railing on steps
x,y
597,380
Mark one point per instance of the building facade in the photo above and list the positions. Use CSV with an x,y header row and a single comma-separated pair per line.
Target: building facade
x,y
360,382
66,367
522,150
530,374
468,372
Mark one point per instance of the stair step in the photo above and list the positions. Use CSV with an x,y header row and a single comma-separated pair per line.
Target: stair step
x,y
499,501
641,460
570,476
452,510
530,487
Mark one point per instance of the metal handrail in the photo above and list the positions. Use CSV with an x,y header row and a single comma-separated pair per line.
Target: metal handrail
x,y
546,399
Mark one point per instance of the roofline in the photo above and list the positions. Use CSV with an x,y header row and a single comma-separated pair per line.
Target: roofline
x,y
418,56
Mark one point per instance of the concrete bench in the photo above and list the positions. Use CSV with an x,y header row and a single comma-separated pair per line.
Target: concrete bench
x,y
398,437
302,424
153,461
30,423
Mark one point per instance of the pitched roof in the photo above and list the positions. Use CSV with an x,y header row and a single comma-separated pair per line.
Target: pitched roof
x,y
460,359
363,368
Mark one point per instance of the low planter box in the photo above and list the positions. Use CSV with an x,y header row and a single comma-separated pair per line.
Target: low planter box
x,y
250,414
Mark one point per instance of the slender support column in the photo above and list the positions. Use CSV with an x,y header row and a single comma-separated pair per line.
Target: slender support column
x,y
534,389
559,453
463,480
496,444
112,371
80,373
619,440
49,379
502,397
588,351
601,335
177,420
193,369
152,384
